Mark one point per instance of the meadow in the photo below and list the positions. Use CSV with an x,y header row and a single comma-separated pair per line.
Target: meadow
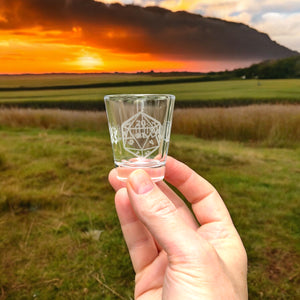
x,y
59,233
33,80
268,125
199,93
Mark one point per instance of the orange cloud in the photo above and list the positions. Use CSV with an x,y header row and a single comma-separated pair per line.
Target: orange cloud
x,y
88,35
30,51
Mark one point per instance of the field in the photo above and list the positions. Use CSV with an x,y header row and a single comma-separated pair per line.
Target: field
x,y
18,81
59,233
269,125
60,237
211,93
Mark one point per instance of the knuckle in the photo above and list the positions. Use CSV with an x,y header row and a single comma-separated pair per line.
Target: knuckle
x,y
161,206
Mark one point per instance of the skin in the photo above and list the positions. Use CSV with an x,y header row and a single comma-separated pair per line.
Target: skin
x,y
177,254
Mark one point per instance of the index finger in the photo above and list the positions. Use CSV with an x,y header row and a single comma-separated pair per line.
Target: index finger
x,y
207,204
114,181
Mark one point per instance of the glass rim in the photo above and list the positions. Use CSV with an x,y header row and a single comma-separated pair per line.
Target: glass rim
x,y
110,97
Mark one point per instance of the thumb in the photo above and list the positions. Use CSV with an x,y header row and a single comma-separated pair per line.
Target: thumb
x,y
160,215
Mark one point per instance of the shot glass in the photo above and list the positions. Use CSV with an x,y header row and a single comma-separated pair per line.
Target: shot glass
x,y
140,129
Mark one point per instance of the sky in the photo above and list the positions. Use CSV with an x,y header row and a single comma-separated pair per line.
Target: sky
x,y
89,36
280,19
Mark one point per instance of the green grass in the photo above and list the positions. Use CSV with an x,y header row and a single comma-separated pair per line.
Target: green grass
x,y
59,233
261,189
17,81
55,201
222,92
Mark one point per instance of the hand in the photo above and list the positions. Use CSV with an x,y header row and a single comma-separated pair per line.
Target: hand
x,y
174,257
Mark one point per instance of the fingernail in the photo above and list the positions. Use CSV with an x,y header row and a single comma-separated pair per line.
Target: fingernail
x,y
140,182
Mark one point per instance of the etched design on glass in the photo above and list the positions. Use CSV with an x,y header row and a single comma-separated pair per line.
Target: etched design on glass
x,y
114,135
141,134
168,125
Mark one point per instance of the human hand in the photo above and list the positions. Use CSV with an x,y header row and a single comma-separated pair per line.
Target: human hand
x,y
173,257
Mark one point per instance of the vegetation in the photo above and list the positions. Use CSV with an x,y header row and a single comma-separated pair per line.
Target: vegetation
x,y
272,125
60,237
59,233
201,94
74,81
53,119
286,68
272,69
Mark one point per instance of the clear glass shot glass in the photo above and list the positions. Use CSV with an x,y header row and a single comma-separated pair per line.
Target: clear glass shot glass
x,y
140,129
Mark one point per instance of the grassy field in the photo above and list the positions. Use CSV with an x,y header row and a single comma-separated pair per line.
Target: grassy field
x,y
219,92
17,81
59,233
272,125
269,125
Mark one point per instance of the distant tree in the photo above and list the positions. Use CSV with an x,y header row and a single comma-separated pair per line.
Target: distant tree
x,y
272,69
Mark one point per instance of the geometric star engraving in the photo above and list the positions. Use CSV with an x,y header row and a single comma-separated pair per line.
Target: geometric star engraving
x,y
141,135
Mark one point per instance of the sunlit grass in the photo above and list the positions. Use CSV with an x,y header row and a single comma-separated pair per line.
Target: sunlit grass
x,y
273,125
60,237
58,227
59,233
222,91
260,186
53,119
16,81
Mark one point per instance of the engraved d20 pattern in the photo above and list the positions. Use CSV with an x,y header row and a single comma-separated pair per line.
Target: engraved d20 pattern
x,y
141,134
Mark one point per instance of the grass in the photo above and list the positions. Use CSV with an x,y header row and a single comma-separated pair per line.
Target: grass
x,y
261,189
53,118
271,125
217,93
17,81
55,197
59,233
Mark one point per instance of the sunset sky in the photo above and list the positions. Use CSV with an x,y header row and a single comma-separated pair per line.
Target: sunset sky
x,y
89,36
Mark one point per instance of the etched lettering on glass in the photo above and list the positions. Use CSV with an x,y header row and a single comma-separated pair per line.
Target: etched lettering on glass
x,y
114,135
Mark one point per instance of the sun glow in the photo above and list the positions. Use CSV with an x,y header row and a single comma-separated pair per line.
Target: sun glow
x,y
89,62
45,52
85,44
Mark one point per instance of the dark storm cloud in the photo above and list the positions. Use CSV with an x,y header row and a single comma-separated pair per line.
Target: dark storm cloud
x,y
133,29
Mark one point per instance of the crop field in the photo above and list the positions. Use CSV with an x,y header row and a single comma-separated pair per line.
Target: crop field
x,y
199,93
32,80
59,233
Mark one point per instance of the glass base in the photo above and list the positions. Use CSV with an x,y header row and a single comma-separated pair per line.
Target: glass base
x,y
155,169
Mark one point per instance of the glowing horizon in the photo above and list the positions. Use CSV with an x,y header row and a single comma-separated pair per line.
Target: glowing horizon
x,y
87,36
37,51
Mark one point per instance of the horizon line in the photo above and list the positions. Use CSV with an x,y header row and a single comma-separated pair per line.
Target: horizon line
x,y
110,73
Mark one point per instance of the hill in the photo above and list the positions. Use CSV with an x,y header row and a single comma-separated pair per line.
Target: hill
x,y
272,69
